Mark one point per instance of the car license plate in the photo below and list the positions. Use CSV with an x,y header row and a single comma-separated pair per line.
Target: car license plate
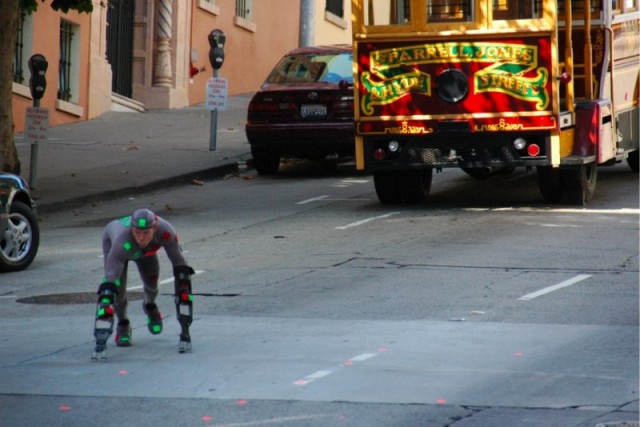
x,y
313,110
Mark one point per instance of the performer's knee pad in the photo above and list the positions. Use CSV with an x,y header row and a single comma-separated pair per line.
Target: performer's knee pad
x,y
182,276
183,293
182,273
107,292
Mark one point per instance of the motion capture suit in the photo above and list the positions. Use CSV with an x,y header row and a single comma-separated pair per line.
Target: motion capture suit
x,y
119,247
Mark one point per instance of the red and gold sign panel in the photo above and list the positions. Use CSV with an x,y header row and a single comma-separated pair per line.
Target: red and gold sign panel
x,y
506,85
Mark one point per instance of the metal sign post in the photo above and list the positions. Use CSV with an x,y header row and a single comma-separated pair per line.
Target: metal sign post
x,y
216,58
213,130
37,120
36,130
216,100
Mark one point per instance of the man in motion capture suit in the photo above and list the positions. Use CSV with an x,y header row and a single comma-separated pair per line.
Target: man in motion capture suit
x,y
138,238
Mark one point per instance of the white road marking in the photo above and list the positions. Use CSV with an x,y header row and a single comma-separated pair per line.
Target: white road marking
x,y
363,357
276,421
319,374
621,211
326,372
566,283
162,282
364,221
315,199
356,181
312,377
349,182
549,225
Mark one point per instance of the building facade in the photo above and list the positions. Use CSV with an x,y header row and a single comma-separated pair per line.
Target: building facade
x,y
154,54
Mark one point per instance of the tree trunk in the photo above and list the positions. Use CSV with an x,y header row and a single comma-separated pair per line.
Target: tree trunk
x,y
9,12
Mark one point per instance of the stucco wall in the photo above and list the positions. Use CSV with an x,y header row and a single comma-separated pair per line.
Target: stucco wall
x,y
46,36
251,49
331,29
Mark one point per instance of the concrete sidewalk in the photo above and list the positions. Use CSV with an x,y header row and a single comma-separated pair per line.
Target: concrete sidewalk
x,y
122,153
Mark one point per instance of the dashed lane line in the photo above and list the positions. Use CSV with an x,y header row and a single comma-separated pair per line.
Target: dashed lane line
x,y
549,289
326,372
314,199
366,220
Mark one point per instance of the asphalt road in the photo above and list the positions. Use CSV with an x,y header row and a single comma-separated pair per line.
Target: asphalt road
x,y
317,306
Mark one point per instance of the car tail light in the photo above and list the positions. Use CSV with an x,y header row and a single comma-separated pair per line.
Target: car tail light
x,y
271,107
260,107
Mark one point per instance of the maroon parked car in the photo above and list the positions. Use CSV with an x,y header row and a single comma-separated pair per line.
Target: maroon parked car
x,y
304,109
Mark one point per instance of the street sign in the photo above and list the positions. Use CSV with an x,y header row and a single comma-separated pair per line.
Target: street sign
x,y
37,124
217,88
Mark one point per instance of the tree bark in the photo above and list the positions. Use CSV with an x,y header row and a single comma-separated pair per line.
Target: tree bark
x,y
9,12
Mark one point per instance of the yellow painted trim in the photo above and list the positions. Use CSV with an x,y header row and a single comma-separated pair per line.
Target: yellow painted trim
x,y
566,142
555,150
359,153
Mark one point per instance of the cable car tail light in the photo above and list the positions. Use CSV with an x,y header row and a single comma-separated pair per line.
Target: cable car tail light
x,y
533,150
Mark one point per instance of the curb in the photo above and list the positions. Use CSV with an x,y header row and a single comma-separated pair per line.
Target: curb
x,y
76,202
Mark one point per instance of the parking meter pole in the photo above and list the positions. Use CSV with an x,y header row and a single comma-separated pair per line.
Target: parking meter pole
x,y
213,135
33,163
216,40
38,65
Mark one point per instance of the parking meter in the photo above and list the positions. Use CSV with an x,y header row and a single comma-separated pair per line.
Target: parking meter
x,y
216,52
38,83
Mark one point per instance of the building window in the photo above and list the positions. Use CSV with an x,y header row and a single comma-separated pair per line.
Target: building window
x,y
244,15
24,49
244,9
68,63
210,6
18,70
335,7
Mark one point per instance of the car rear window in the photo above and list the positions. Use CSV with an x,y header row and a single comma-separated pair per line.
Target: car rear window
x,y
313,68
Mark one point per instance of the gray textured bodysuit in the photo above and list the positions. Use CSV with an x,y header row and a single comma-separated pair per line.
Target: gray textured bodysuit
x,y
119,247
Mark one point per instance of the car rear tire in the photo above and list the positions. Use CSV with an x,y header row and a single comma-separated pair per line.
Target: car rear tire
x,y
20,239
265,161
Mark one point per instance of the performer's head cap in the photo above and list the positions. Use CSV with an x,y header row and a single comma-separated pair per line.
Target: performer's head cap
x,y
143,219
